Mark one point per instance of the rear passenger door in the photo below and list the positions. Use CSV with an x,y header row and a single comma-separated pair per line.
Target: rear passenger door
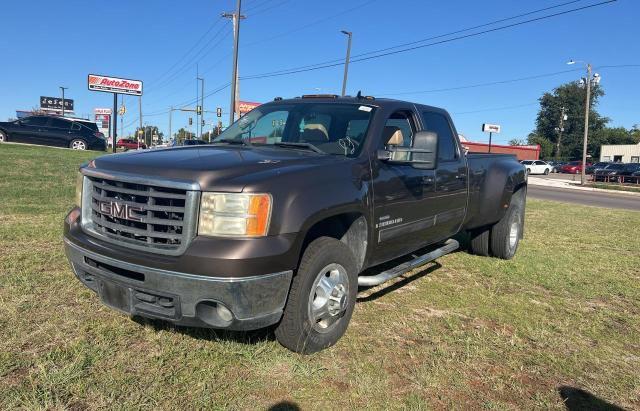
x,y
449,203
58,133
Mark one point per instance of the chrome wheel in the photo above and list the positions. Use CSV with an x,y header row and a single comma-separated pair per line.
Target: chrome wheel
x,y
328,297
3,138
78,145
513,233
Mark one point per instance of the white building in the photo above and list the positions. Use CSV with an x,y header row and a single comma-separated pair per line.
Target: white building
x,y
623,153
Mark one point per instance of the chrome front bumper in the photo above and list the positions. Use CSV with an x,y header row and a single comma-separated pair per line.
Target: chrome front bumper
x,y
243,303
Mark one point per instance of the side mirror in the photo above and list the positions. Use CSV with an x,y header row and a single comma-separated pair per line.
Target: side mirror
x,y
421,155
424,150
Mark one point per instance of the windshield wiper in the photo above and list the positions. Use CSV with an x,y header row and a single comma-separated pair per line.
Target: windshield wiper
x,y
232,141
307,146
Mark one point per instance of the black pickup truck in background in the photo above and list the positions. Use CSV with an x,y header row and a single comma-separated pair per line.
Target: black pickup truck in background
x,y
277,219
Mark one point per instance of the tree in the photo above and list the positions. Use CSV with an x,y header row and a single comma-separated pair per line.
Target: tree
x,y
546,146
182,135
572,97
617,135
517,142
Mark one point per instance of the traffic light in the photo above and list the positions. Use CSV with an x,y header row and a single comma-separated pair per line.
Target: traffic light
x,y
202,123
219,111
190,121
199,110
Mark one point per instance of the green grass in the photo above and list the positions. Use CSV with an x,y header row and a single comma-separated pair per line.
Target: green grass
x,y
472,333
616,187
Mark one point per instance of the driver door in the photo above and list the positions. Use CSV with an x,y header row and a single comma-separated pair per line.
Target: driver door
x,y
401,220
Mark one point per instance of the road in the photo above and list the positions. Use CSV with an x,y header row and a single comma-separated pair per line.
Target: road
x,y
591,198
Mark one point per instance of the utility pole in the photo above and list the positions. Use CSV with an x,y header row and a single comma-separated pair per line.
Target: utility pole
x,y
140,109
201,104
236,17
586,126
560,131
170,115
63,89
346,62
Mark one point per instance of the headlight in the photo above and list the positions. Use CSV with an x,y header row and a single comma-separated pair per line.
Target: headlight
x,y
234,215
79,182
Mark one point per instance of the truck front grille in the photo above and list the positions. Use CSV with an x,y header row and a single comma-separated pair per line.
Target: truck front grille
x,y
143,216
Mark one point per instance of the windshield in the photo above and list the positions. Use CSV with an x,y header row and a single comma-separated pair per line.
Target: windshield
x,y
331,128
617,166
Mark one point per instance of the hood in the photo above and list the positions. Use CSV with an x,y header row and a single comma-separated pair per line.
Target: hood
x,y
224,168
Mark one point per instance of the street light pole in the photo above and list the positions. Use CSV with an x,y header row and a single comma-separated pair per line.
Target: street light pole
x,y
346,62
63,89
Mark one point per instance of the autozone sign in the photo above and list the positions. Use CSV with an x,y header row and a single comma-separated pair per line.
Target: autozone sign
x,y
114,85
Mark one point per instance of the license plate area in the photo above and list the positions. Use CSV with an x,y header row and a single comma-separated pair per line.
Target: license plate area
x,y
115,296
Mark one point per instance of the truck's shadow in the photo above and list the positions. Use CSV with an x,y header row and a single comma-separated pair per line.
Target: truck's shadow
x,y
576,399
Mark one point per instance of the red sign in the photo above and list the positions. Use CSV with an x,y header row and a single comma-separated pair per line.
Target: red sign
x,y
115,85
246,106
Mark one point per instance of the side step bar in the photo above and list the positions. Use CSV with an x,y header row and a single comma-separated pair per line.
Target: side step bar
x,y
371,280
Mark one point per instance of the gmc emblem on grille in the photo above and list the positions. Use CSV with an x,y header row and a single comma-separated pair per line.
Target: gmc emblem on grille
x,y
119,210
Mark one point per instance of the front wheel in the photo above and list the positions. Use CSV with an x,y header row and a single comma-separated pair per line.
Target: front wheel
x,y
322,298
3,137
546,171
78,144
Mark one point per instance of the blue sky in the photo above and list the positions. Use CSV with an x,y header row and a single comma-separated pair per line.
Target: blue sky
x,y
50,44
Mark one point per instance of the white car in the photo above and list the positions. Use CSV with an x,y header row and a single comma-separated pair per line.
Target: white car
x,y
537,166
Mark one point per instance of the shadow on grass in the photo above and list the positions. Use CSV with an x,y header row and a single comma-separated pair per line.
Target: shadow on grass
x,y
212,334
426,270
285,406
576,399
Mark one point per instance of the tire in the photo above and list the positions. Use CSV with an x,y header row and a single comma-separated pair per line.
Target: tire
x,y
479,243
3,137
528,171
78,144
325,261
506,233
546,171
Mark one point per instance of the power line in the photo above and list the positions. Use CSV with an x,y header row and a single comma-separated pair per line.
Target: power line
x,y
305,26
319,66
496,108
491,83
188,51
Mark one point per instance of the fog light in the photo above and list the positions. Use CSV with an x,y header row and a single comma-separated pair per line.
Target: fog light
x,y
224,313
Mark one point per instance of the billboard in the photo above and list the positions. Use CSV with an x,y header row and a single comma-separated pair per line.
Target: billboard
x,y
102,117
55,103
117,85
246,106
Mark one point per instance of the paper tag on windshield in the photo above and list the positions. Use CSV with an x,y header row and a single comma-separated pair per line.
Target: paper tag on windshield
x,y
365,108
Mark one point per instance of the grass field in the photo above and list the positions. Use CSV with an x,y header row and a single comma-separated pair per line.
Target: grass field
x,y
561,320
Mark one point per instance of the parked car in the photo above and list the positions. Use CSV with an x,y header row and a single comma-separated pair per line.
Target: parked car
x,y
54,131
194,142
609,173
634,177
240,235
629,173
596,166
573,167
537,166
130,144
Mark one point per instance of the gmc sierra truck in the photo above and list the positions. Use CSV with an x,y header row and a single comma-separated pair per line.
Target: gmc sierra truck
x,y
275,221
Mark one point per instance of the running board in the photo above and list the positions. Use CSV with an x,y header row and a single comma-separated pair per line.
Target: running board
x,y
371,280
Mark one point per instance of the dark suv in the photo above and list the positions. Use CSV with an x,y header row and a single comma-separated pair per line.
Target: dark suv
x,y
54,131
